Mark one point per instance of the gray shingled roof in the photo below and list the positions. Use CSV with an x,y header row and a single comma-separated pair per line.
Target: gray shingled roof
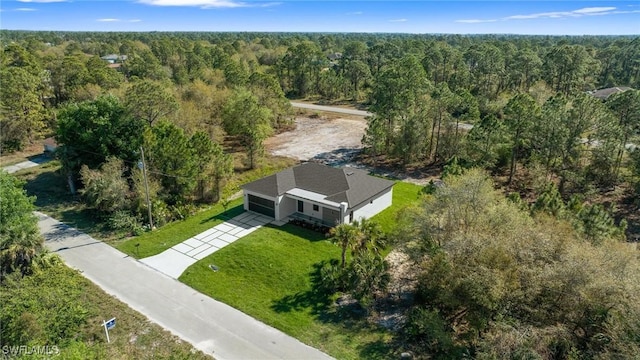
x,y
603,94
349,185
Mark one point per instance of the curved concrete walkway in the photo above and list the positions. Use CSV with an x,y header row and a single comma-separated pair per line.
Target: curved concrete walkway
x,y
211,326
175,260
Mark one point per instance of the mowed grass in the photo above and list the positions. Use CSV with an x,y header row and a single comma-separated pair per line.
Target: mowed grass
x,y
271,274
404,195
268,275
155,242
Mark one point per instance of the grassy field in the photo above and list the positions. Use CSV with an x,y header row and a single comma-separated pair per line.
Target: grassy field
x,y
61,308
404,194
155,242
271,274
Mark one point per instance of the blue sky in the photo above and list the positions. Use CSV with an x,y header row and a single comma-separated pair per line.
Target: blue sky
x,y
418,16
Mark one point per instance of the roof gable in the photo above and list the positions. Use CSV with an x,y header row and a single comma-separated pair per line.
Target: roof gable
x,y
349,185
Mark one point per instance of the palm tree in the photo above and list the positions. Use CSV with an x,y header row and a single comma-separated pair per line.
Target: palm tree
x,y
345,236
370,237
20,240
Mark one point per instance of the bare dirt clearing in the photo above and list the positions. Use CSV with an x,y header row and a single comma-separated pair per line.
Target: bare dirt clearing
x,y
333,141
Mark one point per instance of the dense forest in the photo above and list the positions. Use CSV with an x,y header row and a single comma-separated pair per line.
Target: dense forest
x,y
524,250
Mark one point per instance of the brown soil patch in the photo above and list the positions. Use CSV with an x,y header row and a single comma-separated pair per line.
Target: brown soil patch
x,y
337,141
403,273
318,138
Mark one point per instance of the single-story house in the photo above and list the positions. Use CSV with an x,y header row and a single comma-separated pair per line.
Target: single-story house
x,y
325,194
603,94
114,58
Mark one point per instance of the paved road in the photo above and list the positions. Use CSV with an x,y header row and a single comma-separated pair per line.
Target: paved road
x,y
330,109
209,325
36,161
351,111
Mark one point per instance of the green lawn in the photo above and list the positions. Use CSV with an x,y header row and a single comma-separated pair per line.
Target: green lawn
x,y
404,194
270,275
155,242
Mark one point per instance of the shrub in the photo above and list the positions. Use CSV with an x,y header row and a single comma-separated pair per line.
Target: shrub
x,y
429,331
123,220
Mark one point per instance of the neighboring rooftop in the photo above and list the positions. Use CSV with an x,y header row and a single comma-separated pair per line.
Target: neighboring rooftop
x,y
603,94
112,58
353,186
334,56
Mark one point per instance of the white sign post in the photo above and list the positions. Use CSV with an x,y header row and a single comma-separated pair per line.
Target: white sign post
x,y
108,325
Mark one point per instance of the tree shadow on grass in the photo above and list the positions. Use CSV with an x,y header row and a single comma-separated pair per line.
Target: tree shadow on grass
x,y
321,303
304,233
317,298
53,197
50,189
40,158
225,215
378,349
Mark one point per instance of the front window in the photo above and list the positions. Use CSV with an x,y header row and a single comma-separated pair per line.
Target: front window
x,y
300,206
316,207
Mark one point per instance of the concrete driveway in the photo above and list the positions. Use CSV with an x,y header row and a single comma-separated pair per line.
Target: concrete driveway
x,y
211,326
175,260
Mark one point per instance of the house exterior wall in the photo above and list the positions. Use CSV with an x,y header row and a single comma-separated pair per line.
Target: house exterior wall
x,y
308,209
314,213
285,207
331,216
371,208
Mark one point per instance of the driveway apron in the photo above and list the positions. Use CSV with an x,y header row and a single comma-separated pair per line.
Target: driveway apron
x,y
175,260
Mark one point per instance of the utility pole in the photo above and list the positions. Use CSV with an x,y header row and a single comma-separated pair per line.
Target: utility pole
x,y
146,187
